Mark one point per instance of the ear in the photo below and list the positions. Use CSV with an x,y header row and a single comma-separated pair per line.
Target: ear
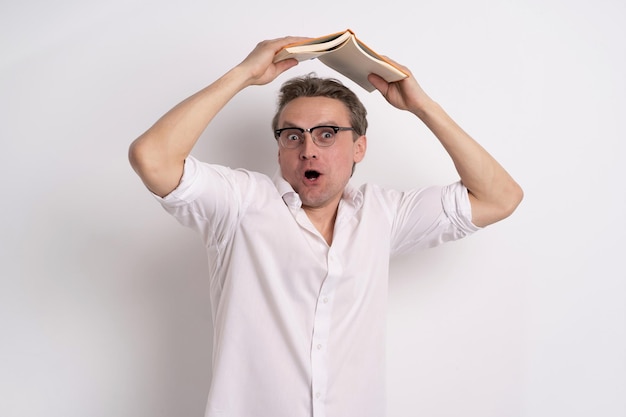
x,y
360,146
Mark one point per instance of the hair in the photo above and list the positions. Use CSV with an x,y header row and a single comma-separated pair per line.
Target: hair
x,y
312,86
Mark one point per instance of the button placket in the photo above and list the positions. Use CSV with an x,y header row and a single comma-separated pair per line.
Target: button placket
x,y
321,333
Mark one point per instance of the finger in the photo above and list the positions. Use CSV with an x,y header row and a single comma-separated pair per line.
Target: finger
x,y
280,43
379,83
284,65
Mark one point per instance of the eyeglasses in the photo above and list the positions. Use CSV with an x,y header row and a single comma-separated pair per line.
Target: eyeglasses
x,y
323,136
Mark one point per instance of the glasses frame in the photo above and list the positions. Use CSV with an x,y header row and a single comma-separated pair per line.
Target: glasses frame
x,y
335,129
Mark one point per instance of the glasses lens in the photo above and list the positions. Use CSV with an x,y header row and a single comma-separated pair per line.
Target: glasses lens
x,y
290,138
324,135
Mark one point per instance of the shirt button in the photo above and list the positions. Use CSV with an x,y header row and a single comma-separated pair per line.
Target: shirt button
x,y
319,347
318,395
325,300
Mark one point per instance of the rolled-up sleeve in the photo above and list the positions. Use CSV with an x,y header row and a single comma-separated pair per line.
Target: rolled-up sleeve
x,y
428,217
456,205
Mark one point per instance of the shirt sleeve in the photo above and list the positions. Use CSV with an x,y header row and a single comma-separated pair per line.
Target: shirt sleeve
x,y
430,216
208,199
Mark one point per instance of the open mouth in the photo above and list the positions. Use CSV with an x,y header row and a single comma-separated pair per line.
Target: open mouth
x,y
311,174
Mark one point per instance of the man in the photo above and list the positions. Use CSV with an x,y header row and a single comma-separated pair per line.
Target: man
x,y
299,263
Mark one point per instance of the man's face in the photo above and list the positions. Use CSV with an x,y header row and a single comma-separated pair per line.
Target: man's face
x,y
319,174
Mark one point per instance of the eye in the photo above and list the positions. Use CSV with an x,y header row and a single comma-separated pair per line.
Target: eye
x,y
291,135
325,133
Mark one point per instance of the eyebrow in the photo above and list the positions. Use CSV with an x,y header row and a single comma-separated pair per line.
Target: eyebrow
x,y
289,124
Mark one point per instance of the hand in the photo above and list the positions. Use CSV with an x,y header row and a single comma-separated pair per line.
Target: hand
x,y
259,63
405,94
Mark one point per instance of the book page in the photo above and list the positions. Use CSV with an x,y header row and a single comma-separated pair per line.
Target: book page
x,y
356,64
303,51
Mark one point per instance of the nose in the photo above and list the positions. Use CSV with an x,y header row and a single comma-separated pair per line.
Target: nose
x,y
308,148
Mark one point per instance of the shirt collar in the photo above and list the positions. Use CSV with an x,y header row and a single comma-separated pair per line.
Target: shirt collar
x,y
351,195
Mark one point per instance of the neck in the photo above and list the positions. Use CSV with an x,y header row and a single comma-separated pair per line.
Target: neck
x,y
324,221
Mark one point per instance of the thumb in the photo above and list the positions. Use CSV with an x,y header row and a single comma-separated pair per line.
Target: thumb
x,y
379,83
282,66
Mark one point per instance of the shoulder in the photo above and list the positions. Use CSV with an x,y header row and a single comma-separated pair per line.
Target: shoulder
x,y
201,178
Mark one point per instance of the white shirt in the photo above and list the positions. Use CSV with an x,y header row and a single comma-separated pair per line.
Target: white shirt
x,y
299,326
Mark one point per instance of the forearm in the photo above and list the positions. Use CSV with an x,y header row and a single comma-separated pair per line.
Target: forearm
x,y
493,192
158,155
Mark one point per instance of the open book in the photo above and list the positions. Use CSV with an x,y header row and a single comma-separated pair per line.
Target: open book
x,y
346,54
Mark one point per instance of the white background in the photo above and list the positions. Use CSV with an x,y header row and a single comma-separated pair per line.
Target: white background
x,y
103,297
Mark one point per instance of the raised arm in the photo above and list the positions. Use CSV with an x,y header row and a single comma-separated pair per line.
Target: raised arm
x,y
158,155
493,193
